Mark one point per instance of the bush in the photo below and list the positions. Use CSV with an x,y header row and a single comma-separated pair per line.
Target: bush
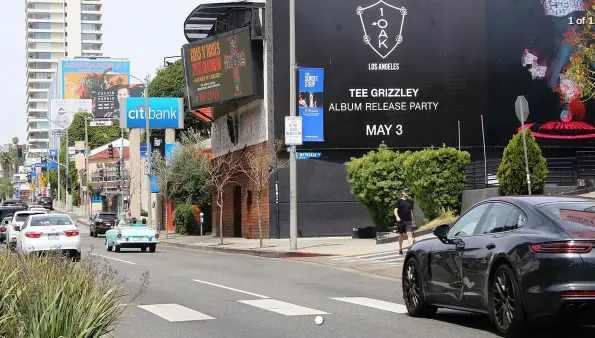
x,y
53,297
511,174
436,176
376,180
185,219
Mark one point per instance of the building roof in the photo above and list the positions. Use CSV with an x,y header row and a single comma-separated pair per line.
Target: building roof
x,y
103,155
199,24
115,143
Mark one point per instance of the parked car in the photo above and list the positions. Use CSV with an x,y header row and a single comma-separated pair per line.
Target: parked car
x,y
13,229
102,222
3,228
47,203
516,259
125,235
42,210
50,232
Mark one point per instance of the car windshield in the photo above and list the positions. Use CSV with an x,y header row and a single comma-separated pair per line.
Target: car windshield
x,y
107,216
50,220
577,219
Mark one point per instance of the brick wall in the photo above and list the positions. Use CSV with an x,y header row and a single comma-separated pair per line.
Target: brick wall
x,y
249,212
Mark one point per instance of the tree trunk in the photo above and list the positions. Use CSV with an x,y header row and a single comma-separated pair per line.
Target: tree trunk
x,y
166,218
220,197
259,222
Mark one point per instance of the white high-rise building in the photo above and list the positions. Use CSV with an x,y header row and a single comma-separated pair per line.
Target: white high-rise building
x,y
56,29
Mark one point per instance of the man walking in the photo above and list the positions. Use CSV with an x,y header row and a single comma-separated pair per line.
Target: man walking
x,y
404,214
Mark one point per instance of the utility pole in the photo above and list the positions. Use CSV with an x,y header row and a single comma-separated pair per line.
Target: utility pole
x,y
59,186
68,204
87,212
149,156
292,112
121,204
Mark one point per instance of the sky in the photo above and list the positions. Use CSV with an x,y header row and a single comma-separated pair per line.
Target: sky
x,y
143,31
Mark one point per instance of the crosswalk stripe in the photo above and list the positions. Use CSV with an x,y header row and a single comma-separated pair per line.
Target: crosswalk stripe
x,y
374,303
175,312
283,308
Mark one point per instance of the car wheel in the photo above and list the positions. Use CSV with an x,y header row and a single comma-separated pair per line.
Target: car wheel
x,y
143,249
153,247
76,257
90,232
107,246
12,246
506,306
116,248
413,291
95,233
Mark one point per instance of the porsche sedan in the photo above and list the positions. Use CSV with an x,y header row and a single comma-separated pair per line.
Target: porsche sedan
x,y
516,259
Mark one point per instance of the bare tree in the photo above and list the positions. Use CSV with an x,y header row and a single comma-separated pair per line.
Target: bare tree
x,y
259,165
220,174
166,177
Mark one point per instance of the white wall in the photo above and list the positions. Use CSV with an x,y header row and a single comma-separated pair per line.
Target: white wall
x,y
74,28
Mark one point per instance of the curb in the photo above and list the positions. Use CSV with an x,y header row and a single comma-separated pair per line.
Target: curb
x,y
248,252
82,221
396,238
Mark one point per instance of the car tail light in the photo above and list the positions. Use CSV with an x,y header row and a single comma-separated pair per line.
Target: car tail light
x,y
562,247
71,233
579,294
33,234
119,236
157,236
2,229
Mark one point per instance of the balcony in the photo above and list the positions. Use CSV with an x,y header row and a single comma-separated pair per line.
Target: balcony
x,y
37,117
38,136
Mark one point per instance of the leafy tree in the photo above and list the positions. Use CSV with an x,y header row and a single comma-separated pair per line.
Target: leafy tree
x,y
436,176
376,180
169,82
511,173
582,39
6,189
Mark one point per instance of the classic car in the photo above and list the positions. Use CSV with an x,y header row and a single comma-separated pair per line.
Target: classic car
x,y
126,235
3,227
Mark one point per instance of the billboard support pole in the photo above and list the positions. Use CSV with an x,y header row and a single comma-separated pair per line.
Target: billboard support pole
x,y
66,195
87,212
292,112
59,201
459,128
121,204
485,160
148,152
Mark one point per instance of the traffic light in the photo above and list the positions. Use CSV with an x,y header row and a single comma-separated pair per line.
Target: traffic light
x,y
20,151
44,162
28,177
110,151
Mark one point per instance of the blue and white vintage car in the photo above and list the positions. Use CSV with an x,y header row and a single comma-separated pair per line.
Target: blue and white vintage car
x,y
126,235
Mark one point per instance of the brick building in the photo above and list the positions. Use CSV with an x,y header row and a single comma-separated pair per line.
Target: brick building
x,y
103,175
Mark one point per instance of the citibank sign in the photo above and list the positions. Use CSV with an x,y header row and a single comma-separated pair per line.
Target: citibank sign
x,y
163,113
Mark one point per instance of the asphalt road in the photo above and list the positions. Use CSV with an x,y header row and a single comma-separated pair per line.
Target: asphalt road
x,y
207,294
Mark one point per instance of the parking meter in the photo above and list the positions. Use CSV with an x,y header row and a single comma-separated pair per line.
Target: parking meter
x,y
202,218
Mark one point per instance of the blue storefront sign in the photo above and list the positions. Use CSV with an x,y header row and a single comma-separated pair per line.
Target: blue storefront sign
x,y
164,113
53,153
16,193
53,166
310,103
143,149
307,156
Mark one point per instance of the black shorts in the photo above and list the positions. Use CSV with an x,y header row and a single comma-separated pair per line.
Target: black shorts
x,y
403,227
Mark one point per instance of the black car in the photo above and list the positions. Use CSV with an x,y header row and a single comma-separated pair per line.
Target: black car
x,y
46,202
516,259
102,222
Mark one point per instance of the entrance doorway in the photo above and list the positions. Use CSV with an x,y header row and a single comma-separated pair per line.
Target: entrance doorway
x,y
237,211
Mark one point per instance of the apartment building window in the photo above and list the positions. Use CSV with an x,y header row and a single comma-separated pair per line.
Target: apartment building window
x,y
40,16
90,27
40,55
42,76
90,17
40,85
90,8
39,95
41,36
42,45
92,37
41,6
40,25
90,46
40,65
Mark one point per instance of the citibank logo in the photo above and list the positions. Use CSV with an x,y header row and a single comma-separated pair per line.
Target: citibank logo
x,y
140,112
382,25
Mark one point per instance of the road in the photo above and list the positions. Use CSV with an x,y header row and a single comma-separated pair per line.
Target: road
x,y
208,294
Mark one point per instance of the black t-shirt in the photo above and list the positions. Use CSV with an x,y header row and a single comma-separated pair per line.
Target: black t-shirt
x,y
404,208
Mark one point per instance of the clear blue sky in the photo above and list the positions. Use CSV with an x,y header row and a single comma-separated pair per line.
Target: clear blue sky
x,y
144,31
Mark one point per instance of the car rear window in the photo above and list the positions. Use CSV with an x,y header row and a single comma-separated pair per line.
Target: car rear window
x,y
21,217
107,216
577,219
52,219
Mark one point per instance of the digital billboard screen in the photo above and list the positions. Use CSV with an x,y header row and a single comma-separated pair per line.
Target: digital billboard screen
x,y
416,73
219,69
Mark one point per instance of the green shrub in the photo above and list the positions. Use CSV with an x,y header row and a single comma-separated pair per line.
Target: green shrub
x,y
185,219
376,180
143,213
511,174
53,297
436,176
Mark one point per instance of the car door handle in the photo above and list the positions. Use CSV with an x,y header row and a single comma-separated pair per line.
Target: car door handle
x,y
460,246
490,246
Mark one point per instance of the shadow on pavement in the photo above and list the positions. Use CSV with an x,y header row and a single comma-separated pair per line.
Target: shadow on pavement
x,y
483,323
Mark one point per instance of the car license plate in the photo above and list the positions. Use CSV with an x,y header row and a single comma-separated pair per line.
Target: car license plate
x,y
53,237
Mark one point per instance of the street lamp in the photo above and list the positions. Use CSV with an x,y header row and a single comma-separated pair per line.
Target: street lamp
x,y
167,63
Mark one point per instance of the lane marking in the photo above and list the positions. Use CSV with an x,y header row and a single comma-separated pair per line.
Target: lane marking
x,y
115,259
283,308
231,289
175,312
374,303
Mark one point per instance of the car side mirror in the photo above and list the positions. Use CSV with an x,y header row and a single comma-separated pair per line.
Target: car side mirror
x,y
442,231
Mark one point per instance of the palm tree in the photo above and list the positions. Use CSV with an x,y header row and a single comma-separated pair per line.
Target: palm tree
x,y
6,163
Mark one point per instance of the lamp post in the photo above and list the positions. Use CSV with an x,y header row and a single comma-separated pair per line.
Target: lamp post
x,y
167,63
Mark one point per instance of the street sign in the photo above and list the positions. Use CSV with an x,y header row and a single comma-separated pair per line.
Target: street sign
x,y
53,153
71,150
40,165
293,130
307,156
58,133
100,123
521,108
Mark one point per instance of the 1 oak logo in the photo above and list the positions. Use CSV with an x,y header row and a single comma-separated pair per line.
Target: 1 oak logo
x,y
383,26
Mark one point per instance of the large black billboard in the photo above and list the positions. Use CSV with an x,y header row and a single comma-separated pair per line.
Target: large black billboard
x,y
415,73
219,69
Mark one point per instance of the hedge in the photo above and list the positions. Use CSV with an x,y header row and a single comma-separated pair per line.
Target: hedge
x,y
185,219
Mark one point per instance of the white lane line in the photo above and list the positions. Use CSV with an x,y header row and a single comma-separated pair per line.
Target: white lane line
x,y
115,259
374,303
362,256
175,312
232,289
283,308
